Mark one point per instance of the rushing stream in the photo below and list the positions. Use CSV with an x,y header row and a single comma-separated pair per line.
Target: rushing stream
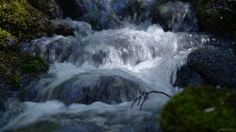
x,y
95,75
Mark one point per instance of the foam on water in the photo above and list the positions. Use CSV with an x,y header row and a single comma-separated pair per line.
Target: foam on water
x,y
149,57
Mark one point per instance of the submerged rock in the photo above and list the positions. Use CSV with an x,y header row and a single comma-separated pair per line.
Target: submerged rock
x,y
216,65
52,126
87,88
108,89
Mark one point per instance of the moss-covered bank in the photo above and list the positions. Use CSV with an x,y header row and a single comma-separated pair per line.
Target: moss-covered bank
x,y
16,69
200,109
23,20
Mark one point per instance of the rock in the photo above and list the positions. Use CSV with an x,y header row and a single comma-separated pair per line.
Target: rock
x,y
71,8
48,7
24,21
105,14
107,89
216,65
217,16
176,16
18,70
205,108
87,88
187,77
66,126
58,26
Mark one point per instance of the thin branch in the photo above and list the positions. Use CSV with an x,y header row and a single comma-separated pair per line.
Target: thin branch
x,y
144,96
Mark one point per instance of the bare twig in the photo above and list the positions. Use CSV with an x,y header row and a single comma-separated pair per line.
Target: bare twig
x,y
144,96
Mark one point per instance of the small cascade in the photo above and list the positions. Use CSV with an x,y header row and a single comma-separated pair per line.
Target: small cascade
x,y
95,75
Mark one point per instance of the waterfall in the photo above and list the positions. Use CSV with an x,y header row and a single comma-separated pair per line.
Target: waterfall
x,y
95,75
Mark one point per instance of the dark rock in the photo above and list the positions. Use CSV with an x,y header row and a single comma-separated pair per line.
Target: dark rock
x,y
176,16
66,126
71,8
108,89
87,88
216,65
217,16
48,7
58,26
187,77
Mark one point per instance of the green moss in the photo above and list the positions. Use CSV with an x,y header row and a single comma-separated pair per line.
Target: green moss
x,y
216,16
15,80
14,17
3,35
188,110
16,68
22,20
32,66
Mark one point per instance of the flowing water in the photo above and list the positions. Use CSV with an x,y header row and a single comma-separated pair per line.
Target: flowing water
x,y
94,77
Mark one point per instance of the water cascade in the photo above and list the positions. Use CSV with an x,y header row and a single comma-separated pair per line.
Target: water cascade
x,y
95,75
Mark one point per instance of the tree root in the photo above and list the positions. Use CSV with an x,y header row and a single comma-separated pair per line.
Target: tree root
x,y
140,100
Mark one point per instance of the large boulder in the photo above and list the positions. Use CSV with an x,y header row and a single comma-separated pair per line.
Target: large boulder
x,y
187,77
216,65
200,109
87,88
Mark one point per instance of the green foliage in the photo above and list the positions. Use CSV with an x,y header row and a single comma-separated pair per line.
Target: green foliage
x,y
3,35
188,111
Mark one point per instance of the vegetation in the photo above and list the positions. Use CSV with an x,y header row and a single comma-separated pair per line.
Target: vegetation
x,y
42,5
200,109
216,16
3,35
17,67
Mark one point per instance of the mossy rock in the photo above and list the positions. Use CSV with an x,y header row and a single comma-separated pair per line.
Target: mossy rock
x,y
42,5
17,69
23,20
200,109
3,35
217,16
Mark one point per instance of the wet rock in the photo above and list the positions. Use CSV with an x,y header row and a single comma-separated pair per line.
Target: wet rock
x,y
71,8
187,77
58,26
51,126
176,16
216,65
108,89
87,88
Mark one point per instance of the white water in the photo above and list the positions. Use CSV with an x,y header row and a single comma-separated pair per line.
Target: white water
x,y
149,57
